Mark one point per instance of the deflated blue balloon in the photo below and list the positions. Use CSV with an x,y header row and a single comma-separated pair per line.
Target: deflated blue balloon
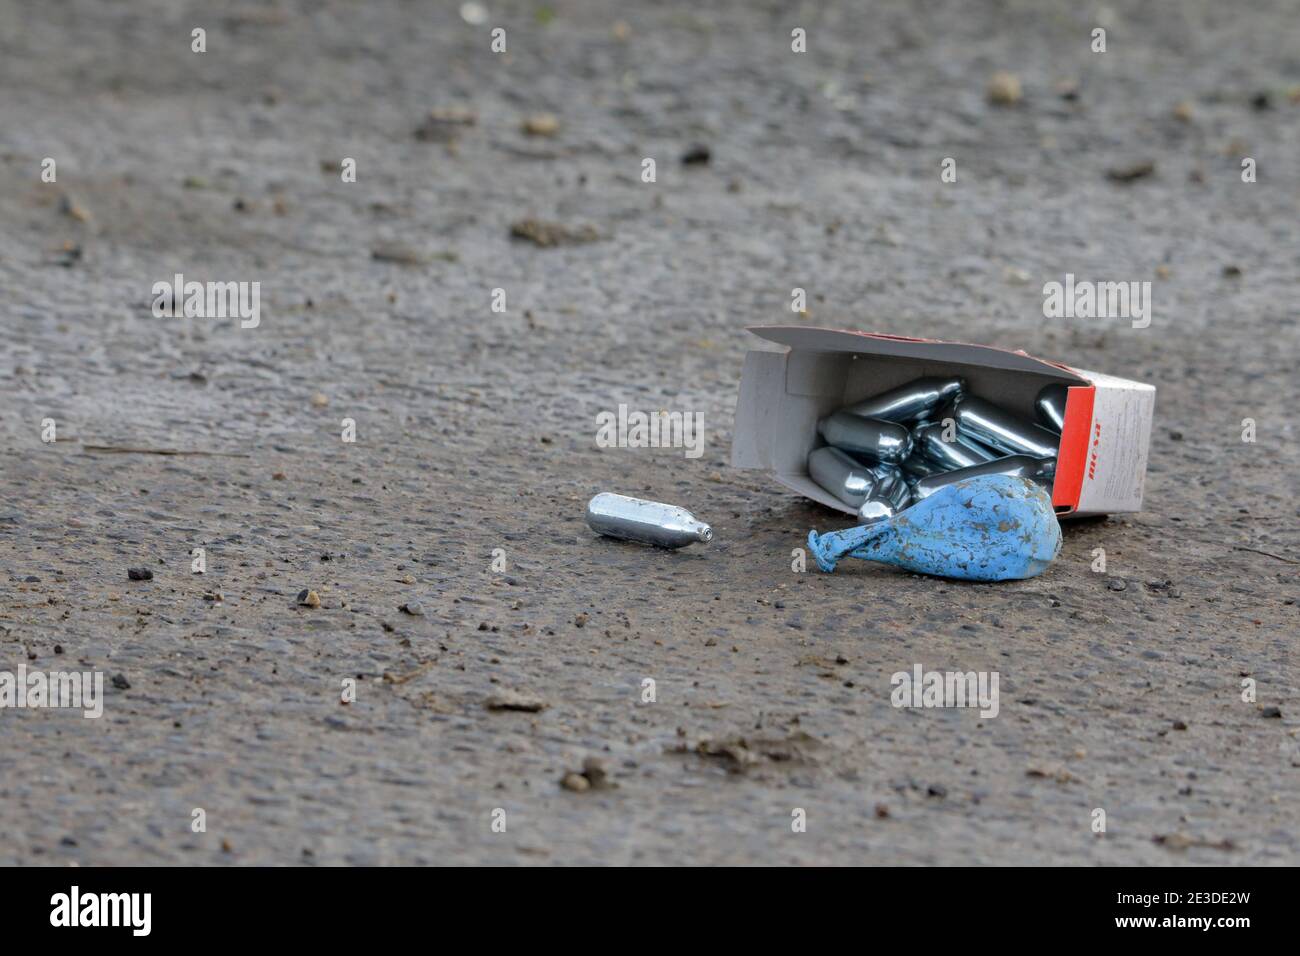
x,y
990,528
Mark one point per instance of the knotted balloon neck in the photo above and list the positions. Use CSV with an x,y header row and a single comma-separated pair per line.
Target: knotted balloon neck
x,y
861,541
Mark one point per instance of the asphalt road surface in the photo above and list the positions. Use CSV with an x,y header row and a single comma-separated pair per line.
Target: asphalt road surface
x,y
461,498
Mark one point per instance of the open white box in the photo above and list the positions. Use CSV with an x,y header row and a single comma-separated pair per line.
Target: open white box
x,y
1102,459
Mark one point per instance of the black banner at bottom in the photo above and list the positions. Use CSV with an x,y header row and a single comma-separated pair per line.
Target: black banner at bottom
x,y
215,905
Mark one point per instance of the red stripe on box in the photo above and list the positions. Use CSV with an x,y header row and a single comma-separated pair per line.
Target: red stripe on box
x,y
1072,454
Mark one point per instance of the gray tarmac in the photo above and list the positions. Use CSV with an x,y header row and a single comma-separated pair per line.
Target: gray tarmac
x,y
475,431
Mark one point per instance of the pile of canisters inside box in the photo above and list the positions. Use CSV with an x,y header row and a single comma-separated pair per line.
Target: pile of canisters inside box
x,y
888,452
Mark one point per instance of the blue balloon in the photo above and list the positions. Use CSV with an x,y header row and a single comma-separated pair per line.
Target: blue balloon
x,y
990,528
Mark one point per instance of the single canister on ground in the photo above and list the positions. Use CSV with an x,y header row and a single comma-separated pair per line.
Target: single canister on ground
x,y
843,476
649,522
961,452
911,401
872,438
1050,406
990,425
1041,470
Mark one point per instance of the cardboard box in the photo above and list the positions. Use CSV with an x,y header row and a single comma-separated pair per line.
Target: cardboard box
x,y
1101,462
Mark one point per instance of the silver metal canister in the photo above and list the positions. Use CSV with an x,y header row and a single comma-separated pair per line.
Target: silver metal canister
x,y
872,438
1041,470
961,452
917,466
999,429
892,486
1050,406
876,509
891,495
910,401
649,522
846,478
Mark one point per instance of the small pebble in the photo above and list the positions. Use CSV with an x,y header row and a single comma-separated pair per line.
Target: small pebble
x,y
697,155
515,700
442,125
399,253
542,124
550,234
593,768
1128,172
72,209
1004,88
575,782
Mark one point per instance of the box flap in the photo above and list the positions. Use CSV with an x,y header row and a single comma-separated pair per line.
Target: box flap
x,y
876,343
776,422
803,485
762,386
